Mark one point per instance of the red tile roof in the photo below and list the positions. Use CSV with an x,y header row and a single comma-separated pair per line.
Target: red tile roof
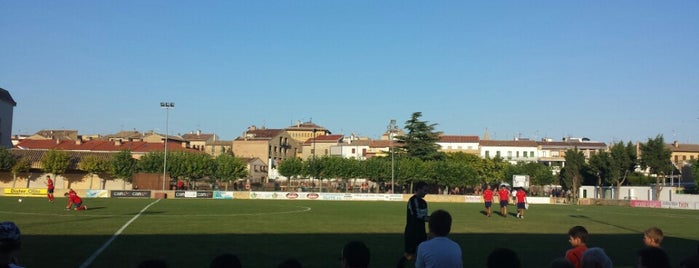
x,y
456,139
325,139
100,146
508,143
260,134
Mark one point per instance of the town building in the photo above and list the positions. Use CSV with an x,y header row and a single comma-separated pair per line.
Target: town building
x,y
7,106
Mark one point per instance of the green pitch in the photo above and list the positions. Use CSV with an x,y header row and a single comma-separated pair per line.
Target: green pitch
x,y
189,233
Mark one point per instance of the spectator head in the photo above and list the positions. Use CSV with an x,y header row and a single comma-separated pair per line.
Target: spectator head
x,y
355,254
595,258
503,258
653,257
9,237
225,260
420,185
440,223
577,235
653,237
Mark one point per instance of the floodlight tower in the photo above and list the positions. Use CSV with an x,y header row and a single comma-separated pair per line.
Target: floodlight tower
x,y
167,106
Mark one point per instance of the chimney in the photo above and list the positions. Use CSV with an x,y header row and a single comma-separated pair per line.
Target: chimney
x,y
198,132
676,144
58,141
117,142
78,141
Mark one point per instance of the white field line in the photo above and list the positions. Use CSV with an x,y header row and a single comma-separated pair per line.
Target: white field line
x,y
109,242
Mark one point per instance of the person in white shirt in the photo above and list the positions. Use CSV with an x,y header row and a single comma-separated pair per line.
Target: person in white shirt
x,y
439,250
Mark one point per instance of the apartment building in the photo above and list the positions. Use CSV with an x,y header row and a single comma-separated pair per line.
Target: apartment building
x,y
511,150
270,145
458,143
7,106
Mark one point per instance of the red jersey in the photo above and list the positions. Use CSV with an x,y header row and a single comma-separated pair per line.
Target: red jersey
x,y
74,198
521,196
488,195
504,194
50,184
574,255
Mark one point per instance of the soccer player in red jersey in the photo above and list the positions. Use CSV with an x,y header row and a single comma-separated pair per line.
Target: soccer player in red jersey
x,y
74,201
488,199
521,202
504,195
49,188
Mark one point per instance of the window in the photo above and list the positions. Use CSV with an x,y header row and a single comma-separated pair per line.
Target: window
x,y
525,154
487,154
497,153
354,150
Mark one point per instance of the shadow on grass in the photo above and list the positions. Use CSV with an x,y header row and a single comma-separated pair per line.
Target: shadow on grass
x,y
313,250
606,223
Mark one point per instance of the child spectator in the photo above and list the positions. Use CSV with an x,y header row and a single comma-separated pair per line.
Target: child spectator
x,y
577,237
653,237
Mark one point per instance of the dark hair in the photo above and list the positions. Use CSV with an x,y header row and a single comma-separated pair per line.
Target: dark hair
x,y
356,254
578,232
503,258
440,222
225,260
420,185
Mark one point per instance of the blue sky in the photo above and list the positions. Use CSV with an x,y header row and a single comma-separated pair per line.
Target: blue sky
x,y
607,70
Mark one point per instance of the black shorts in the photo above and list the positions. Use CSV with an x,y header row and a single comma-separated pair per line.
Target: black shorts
x,y
521,205
503,203
412,241
50,191
488,204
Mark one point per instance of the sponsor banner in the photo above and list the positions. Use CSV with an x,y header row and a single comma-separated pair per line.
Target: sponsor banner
x,y
272,195
325,196
97,194
223,195
25,191
194,194
673,204
646,203
136,194
473,199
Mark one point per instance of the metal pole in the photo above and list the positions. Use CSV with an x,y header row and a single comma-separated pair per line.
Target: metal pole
x,y
167,106
391,127
167,118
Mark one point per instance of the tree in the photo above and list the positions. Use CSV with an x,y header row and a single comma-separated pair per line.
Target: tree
x,y
421,139
55,162
7,160
695,171
656,157
572,172
623,163
291,168
601,165
122,165
228,168
151,162
22,165
93,166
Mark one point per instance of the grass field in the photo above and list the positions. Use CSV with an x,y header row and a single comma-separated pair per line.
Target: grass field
x,y
189,233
